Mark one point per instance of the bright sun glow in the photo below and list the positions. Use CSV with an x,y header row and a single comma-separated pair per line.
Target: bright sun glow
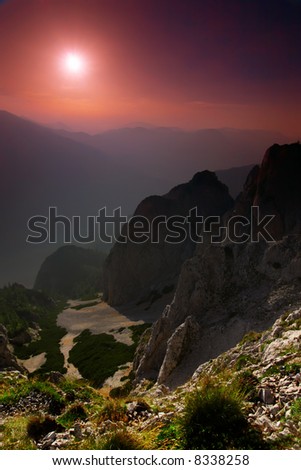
x,y
74,63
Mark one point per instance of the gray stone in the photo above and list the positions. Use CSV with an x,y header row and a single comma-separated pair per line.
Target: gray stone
x,y
178,346
265,423
274,410
277,331
7,359
266,396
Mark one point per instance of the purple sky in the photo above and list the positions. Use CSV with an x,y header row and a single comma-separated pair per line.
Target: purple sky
x,y
195,63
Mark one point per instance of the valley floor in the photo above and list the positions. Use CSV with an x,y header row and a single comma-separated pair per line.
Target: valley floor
x,y
99,318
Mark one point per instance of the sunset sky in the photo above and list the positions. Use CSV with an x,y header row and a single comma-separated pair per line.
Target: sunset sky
x,y
187,63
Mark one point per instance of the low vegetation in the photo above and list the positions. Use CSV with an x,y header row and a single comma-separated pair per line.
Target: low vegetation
x,y
221,409
213,418
75,412
120,440
98,357
89,304
28,314
49,329
18,393
20,308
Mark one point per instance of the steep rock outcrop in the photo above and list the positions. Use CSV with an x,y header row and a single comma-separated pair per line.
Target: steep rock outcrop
x,y
137,271
229,289
275,188
7,359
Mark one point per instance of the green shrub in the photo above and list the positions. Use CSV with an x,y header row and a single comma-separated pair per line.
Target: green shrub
x,y
243,360
49,329
293,368
169,437
14,434
114,410
250,337
272,370
213,419
296,410
121,392
39,426
120,440
247,383
79,390
75,412
98,357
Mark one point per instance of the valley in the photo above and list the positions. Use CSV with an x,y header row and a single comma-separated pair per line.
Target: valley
x,y
100,318
177,329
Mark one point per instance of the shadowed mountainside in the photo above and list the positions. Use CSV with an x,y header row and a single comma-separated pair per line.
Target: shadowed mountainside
x,y
40,168
71,272
229,289
141,271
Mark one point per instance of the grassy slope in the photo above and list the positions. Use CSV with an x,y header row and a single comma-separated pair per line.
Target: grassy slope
x,y
22,308
49,342
98,357
210,411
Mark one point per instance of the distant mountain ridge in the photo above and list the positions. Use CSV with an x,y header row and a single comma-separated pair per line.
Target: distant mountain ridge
x,y
41,167
162,150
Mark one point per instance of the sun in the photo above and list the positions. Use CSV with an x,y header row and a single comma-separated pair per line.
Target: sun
x,y
74,63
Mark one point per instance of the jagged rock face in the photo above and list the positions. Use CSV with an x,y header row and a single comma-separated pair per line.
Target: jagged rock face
x,y
7,359
229,289
135,271
224,291
275,188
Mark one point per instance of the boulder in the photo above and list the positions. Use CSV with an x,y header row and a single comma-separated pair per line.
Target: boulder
x,y
266,396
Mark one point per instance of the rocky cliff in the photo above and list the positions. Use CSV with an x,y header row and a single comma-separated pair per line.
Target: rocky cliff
x,y
140,271
275,188
228,289
7,358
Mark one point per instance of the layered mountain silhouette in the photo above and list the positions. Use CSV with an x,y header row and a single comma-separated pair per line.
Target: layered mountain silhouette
x,y
80,174
178,154
138,270
40,168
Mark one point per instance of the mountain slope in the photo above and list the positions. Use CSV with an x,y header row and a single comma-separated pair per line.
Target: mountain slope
x,y
227,289
71,272
178,154
40,168
137,270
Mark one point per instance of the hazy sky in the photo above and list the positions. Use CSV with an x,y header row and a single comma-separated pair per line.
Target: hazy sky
x,y
187,63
